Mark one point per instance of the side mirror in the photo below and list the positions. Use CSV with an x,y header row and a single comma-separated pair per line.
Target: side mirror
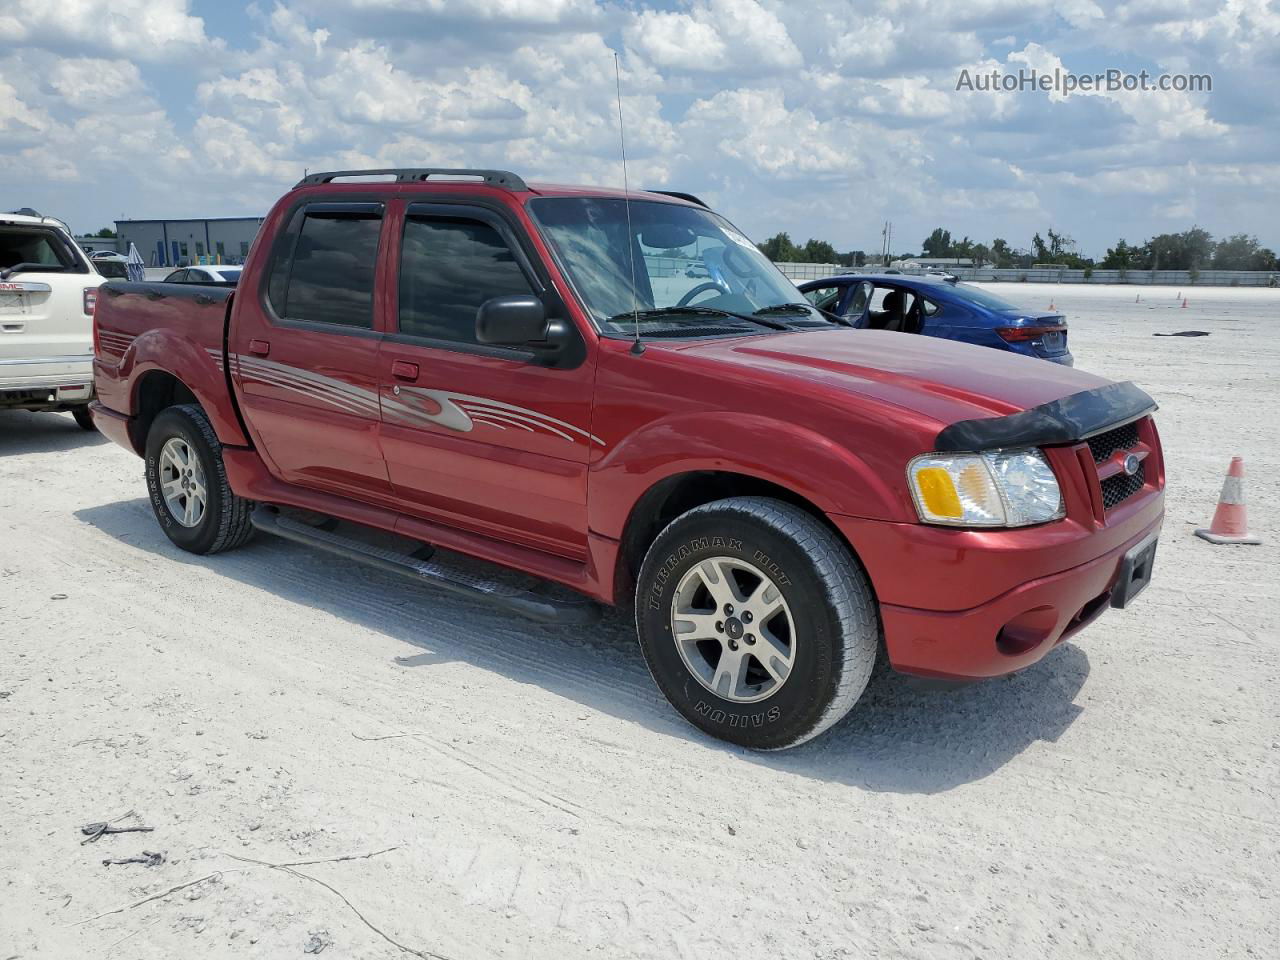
x,y
516,320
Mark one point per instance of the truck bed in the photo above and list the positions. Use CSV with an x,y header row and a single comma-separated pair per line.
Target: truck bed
x,y
140,326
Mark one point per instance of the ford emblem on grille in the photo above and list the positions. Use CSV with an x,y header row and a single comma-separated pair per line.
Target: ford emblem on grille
x,y
1131,464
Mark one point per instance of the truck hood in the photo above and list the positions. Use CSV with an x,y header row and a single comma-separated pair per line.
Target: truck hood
x,y
941,379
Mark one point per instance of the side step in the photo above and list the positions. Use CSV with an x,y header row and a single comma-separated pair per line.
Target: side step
x,y
514,599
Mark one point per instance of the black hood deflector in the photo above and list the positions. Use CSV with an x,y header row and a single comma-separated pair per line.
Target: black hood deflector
x,y
1069,420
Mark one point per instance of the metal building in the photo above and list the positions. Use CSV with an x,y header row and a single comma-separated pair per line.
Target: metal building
x,y
180,243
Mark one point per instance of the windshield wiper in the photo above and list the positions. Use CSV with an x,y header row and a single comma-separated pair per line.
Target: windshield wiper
x,y
805,308
7,272
696,312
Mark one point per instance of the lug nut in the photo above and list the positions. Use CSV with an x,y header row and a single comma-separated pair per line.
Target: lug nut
x,y
747,617
719,626
751,638
728,609
733,644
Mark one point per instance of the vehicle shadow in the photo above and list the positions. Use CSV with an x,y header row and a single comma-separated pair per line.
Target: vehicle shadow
x,y
24,432
898,739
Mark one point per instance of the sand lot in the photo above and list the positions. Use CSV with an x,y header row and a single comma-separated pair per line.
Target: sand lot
x,y
541,800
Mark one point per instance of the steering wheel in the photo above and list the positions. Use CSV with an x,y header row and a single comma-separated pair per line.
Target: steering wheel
x,y
700,288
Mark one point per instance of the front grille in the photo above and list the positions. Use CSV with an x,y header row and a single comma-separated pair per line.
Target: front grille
x,y
1105,444
1120,487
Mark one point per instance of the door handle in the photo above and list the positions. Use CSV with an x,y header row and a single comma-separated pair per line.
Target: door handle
x,y
259,348
404,370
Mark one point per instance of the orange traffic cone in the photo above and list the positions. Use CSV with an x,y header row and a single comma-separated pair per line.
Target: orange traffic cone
x,y
1229,523
1184,303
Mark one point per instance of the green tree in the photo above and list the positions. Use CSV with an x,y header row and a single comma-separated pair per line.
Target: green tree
x,y
1120,257
780,249
1000,252
1242,252
106,233
937,244
1180,251
818,251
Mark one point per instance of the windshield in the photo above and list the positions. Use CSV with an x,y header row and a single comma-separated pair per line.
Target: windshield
x,y
683,256
979,296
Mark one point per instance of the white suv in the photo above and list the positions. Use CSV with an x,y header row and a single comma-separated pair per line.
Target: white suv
x,y
48,290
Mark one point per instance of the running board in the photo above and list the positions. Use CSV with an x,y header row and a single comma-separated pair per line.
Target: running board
x,y
513,599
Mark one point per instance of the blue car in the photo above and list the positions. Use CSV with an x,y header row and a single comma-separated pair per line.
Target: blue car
x,y
939,307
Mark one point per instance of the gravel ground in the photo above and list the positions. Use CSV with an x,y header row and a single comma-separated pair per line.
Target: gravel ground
x,y
541,800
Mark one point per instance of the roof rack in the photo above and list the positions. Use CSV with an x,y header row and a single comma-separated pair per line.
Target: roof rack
x,y
679,196
494,178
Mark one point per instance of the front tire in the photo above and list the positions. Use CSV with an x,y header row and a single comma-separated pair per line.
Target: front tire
x,y
756,621
187,484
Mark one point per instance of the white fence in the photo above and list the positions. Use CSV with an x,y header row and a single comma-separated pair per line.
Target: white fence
x,y
1182,278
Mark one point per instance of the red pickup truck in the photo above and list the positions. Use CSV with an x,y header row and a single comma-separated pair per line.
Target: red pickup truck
x,y
619,395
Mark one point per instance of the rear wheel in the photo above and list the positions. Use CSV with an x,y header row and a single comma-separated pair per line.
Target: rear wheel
x,y
187,483
84,418
756,621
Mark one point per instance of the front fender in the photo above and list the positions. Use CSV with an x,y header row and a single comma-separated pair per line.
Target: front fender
x,y
198,368
826,473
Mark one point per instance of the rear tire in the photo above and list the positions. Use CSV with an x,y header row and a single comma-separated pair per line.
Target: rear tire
x,y
756,622
187,484
84,418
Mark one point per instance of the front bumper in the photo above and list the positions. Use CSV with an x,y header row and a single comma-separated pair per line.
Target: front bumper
x,y
1036,586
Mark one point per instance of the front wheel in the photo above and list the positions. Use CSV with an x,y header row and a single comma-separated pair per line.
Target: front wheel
x,y
756,622
187,483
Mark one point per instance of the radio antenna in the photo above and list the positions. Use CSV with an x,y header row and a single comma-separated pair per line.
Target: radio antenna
x,y
637,347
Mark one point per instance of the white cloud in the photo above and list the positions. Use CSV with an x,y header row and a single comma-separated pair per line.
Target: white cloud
x,y
738,36
89,83
512,11
143,29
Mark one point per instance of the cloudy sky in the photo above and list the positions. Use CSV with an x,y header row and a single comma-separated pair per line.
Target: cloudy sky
x,y
822,118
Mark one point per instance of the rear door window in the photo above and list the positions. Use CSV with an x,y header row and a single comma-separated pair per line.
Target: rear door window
x,y
450,266
328,275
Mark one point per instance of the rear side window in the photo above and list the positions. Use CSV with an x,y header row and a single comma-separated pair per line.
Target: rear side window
x,y
449,267
324,268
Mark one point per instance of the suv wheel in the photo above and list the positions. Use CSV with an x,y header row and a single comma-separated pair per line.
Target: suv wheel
x,y
756,621
188,486
84,418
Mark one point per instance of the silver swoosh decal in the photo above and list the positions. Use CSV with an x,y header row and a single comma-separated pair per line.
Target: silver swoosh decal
x,y
412,406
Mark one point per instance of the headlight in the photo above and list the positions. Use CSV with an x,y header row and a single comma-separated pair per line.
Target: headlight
x,y
999,488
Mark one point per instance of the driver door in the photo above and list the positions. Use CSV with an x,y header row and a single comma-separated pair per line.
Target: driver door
x,y
475,435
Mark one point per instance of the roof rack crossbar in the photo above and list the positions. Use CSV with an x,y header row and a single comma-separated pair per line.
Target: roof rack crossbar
x,y
679,196
494,178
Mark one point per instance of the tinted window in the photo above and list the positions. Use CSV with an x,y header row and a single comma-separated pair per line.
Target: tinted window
x,y
448,268
330,279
